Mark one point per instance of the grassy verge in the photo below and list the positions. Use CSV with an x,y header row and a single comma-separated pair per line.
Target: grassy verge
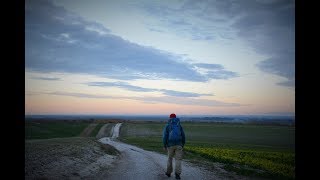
x,y
250,150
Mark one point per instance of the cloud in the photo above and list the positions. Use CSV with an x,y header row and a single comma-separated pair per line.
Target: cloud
x,y
181,21
216,71
153,100
186,101
182,94
81,95
48,78
126,86
122,85
268,27
289,83
209,66
60,41
32,93
281,65
221,74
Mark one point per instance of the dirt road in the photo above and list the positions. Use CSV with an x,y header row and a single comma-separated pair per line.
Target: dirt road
x,y
86,158
136,163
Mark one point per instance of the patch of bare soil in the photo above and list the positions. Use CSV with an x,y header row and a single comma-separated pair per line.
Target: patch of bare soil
x,y
67,158
87,131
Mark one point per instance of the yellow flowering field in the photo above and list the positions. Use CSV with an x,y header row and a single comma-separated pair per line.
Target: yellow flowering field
x,y
276,163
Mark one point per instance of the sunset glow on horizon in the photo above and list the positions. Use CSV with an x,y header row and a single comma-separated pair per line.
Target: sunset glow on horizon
x,y
158,57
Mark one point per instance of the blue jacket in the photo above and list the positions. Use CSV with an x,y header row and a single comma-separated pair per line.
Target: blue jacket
x,y
165,136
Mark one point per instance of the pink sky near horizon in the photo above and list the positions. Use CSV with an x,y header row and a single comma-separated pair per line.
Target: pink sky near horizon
x,y
73,105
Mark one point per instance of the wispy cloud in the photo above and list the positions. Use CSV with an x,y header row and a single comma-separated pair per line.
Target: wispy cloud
x,y
47,78
154,100
187,101
193,20
216,71
221,74
209,66
281,65
122,85
127,86
182,94
289,83
81,95
59,41
268,27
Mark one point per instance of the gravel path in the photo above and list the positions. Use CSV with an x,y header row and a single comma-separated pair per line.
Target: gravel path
x,y
86,158
136,163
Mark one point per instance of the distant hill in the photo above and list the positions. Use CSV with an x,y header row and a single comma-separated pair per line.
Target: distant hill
x,y
248,119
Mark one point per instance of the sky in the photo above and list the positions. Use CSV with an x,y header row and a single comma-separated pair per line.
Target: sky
x,y
122,57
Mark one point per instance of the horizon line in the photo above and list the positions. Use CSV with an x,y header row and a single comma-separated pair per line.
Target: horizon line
x,y
262,114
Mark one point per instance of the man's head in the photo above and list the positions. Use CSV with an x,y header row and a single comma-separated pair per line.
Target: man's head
x,y
172,115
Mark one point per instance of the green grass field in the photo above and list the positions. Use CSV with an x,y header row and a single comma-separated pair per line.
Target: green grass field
x,y
270,149
53,129
251,150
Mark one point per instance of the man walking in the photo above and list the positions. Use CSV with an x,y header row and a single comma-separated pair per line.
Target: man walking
x,y
173,141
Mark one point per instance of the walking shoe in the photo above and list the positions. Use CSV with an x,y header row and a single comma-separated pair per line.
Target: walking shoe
x,y
168,174
178,176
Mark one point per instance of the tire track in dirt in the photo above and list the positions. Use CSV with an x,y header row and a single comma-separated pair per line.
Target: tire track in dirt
x,y
87,131
116,131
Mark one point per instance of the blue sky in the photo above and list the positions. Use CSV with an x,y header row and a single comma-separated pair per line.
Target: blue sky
x,y
191,57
